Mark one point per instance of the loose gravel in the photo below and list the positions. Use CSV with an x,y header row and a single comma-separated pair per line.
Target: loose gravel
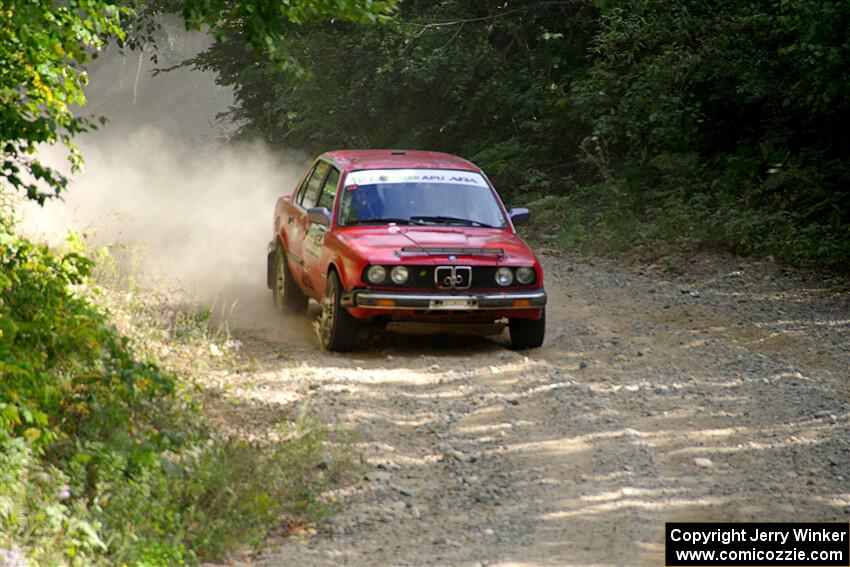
x,y
722,394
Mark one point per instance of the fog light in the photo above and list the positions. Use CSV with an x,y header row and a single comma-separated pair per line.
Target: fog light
x,y
399,275
376,274
525,275
504,277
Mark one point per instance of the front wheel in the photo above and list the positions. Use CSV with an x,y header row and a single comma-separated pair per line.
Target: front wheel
x,y
337,327
527,333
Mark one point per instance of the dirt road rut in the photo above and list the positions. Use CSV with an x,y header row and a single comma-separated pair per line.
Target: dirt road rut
x,y
719,395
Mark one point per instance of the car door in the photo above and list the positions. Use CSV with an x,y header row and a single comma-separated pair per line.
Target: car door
x,y
314,270
296,221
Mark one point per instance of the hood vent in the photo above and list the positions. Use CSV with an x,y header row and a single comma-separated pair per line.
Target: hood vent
x,y
424,251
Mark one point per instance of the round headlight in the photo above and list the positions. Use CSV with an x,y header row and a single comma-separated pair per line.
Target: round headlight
x,y
504,277
525,275
399,275
376,274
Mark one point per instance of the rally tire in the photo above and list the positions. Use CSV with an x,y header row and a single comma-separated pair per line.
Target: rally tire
x,y
527,333
337,327
287,296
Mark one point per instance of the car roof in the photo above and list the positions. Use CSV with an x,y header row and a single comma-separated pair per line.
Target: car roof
x,y
396,159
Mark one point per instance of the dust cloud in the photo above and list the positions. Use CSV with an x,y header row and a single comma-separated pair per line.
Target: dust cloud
x,y
159,179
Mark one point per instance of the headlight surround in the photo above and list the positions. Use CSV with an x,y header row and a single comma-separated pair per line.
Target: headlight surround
x,y
504,277
525,275
376,274
399,275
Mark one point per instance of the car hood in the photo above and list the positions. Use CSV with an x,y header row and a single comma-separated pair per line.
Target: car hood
x,y
386,244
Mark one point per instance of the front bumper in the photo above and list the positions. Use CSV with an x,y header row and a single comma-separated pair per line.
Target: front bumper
x,y
464,302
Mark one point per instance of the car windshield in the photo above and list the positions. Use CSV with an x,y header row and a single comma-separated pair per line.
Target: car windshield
x,y
419,196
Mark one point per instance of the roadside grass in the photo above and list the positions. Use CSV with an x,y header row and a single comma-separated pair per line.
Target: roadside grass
x,y
606,220
108,452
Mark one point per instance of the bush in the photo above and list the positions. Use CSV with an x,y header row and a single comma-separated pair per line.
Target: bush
x,y
38,517
103,457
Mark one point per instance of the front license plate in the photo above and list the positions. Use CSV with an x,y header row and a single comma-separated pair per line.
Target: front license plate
x,y
454,303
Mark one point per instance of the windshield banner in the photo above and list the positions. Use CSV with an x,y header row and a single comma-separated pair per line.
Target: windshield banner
x,y
444,176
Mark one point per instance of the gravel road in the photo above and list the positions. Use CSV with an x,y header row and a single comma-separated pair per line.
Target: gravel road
x,y
718,395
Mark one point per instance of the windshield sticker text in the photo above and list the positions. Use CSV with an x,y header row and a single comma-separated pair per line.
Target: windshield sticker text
x,y
375,176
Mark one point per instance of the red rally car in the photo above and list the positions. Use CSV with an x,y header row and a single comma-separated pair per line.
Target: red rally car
x,y
406,236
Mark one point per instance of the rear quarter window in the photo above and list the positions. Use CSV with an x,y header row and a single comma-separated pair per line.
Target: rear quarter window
x,y
326,199
311,192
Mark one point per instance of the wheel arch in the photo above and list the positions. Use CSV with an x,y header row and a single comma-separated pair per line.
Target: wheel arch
x,y
336,265
280,240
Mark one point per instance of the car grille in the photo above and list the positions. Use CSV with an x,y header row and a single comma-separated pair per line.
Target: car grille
x,y
483,277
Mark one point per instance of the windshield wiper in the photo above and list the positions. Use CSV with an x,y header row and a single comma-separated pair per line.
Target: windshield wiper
x,y
446,219
381,220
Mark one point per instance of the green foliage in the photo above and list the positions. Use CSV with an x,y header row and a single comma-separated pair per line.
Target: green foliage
x,y
686,123
263,21
62,367
37,511
104,458
44,46
473,78
722,122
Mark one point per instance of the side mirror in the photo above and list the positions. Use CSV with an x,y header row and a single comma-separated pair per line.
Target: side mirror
x,y
520,216
319,215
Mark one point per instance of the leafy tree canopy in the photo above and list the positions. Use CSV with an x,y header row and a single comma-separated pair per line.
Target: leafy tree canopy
x,y
707,122
45,44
